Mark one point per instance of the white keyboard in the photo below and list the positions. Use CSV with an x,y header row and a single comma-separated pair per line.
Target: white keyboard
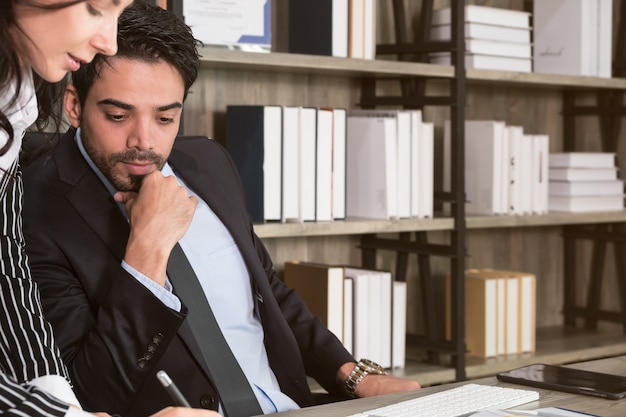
x,y
455,402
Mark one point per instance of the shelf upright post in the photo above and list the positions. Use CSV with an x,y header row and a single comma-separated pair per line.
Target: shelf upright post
x,y
413,96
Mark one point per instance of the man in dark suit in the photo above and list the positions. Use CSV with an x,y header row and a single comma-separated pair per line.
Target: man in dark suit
x,y
106,208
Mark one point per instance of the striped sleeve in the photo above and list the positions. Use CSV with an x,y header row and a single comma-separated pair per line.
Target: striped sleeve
x,y
27,401
27,346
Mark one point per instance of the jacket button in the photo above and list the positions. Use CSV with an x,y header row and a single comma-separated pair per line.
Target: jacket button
x,y
208,401
152,347
141,363
156,339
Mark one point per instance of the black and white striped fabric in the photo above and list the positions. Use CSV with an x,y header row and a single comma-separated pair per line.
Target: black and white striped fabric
x,y
27,346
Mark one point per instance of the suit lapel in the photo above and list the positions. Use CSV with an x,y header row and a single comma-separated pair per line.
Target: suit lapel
x,y
86,194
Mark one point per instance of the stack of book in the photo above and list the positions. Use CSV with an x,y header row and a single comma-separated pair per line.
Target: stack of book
x,y
390,173
495,38
340,28
365,309
499,312
573,37
291,160
583,182
504,168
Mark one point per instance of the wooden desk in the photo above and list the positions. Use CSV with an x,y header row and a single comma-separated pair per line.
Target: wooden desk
x,y
547,398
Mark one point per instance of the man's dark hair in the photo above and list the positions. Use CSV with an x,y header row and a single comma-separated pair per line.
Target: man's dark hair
x,y
150,34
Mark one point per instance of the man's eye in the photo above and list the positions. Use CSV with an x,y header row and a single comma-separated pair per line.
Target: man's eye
x,y
166,120
116,117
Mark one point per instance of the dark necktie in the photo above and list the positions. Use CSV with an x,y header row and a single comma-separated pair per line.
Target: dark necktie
x,y
234,390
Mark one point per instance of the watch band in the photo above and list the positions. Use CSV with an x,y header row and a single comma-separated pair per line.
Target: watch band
x,y
363,368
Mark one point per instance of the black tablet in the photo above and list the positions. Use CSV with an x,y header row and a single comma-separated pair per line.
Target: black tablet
x,y
560,378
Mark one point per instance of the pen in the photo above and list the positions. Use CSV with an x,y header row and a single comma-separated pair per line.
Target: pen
x,y
172,389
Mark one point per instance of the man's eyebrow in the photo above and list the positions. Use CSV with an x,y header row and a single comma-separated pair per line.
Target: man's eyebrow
x,y
116,103
175,105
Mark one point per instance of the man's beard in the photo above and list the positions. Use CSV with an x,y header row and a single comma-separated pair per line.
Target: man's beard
x,y
127,182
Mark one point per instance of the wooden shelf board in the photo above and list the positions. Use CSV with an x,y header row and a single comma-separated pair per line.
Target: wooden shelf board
x,y
350,227
315,64
555,345
222,58
355,227
550,219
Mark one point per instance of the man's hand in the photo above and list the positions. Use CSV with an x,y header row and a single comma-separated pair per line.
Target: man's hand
x,y
373,384
185,412
160,214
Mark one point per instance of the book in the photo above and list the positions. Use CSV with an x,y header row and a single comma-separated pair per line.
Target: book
x,y
582,159
486,15
579,204
322,289
318,28
479,61
567,37
290,164
426,175
340,121
540,152
371,172
402,119
237,24
515,137
416,163
254,140
586,188
475,30
527,283
398,330
324,166
582,174
306,162
498,48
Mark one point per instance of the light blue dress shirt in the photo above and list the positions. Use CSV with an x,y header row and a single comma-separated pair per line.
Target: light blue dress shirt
x,y
221,270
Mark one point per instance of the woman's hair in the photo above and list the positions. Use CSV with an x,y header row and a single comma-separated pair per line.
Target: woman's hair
x,y
48,94
139,39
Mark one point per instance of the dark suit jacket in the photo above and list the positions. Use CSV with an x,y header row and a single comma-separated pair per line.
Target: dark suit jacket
x,y
113,333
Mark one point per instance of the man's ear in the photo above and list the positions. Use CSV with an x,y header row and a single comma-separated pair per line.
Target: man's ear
x,y
71,104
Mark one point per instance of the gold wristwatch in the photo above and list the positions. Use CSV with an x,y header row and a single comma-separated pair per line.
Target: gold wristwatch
x,y
360,371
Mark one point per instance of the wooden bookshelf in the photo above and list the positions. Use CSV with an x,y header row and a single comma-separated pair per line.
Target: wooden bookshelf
x,y
530,243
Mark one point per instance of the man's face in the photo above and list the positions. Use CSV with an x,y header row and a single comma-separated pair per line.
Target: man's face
x,y
130,119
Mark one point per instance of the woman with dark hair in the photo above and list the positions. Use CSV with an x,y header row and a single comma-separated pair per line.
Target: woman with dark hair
x,y
40,42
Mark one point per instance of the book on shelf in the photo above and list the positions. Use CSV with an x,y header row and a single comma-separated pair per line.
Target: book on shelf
x,y
372,292
402,119
324,165
586,188
540,163
362,29
307,137
515,137
500,317
340,121
498,48
573,37
254,140
492,62
586,203
582,159
527,315
322,289
426,176
236,24
485,15
582,174
475,30
398,320
318,27
371,173
290,164
485,166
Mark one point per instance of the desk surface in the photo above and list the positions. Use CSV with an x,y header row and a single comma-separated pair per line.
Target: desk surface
x,y
547,398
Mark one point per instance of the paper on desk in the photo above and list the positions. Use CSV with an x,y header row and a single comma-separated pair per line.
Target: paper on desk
x,y
540,412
